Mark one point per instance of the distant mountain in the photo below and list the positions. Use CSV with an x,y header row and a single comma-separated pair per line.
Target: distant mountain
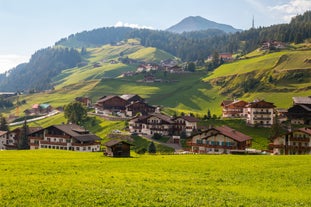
x,y
198,23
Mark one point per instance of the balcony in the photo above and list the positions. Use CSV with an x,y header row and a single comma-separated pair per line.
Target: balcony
x,y
57,136
53,143
262,118
262,112
211,146
297,139
84,144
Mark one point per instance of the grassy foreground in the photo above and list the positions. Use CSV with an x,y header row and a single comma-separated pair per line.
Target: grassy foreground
x,y
61,178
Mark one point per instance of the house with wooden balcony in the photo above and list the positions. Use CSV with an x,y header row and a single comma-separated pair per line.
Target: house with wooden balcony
x,y
219,140
13,137
259,113
300,112
233,108
163,124
64,137
296,142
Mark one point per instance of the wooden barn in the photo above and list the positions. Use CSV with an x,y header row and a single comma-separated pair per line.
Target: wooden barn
x,y
117,148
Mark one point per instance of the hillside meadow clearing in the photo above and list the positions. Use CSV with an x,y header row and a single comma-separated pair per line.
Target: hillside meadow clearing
x,y
63,178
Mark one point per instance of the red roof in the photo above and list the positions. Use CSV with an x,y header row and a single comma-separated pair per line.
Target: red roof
x,y
260,104
232,133
305,130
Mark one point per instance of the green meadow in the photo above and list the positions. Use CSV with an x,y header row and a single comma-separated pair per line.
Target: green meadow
x,y
64,178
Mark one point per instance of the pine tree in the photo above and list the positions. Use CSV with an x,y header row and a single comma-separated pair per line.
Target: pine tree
x,y
152,148
23,142
3,124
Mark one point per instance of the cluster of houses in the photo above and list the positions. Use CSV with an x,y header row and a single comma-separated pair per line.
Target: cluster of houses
x,y
127,105
169,66
63,137
148,120
39,109
262,113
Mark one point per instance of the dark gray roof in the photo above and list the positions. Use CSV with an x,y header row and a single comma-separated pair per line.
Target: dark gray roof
x,y
77,132
302,100
114,142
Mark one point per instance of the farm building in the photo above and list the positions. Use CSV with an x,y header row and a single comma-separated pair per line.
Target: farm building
x,y
118,148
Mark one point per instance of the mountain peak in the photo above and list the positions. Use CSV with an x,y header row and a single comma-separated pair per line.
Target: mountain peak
x,y
197,23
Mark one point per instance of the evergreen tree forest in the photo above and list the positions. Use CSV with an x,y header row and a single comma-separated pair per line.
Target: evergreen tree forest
x,y
42,67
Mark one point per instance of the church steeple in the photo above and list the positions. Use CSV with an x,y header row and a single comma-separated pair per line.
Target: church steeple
x,y
253,23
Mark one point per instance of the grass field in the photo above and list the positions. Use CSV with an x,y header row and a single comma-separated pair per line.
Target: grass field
x,y
62,178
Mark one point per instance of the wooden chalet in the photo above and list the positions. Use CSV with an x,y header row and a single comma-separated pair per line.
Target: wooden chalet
x,y
118,148
292,143
259,113
86,101
187,124
233,109
139,107
219,140
14,137
300,112
64,137
132,98
110,105
163,124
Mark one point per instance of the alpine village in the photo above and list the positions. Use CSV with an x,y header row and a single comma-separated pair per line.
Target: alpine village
x,y
133,93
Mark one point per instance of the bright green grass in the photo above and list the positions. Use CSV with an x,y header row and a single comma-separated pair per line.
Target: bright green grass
x,y
150,54
188,94
285,60
62,178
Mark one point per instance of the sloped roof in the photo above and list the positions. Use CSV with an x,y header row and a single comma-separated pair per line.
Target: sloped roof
x,y
233,134
76,132
302,100
163,117
107,98
114,142
189,118
3,132
44,106
305,107
127,96
260,104
226,102
305,130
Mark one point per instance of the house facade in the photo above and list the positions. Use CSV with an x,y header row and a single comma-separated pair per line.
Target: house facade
x,y
13,137
300,112
162,124
3,139
259,113
64,137
233,109
219,140
110,105
292,143
138,107
118,148
187,124
125,105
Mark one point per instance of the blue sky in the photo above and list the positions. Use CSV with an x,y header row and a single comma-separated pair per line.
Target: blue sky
x,y
29,25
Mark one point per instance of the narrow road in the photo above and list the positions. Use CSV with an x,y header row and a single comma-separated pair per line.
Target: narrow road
x,y
176,147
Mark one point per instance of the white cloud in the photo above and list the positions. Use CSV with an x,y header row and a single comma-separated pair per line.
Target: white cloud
x,y
121,24
10,61
288,10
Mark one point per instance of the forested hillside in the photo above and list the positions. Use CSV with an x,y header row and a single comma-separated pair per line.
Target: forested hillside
x,y
42,67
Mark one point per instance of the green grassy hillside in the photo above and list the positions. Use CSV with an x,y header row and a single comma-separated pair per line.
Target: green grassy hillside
x,y
65,178
275,77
